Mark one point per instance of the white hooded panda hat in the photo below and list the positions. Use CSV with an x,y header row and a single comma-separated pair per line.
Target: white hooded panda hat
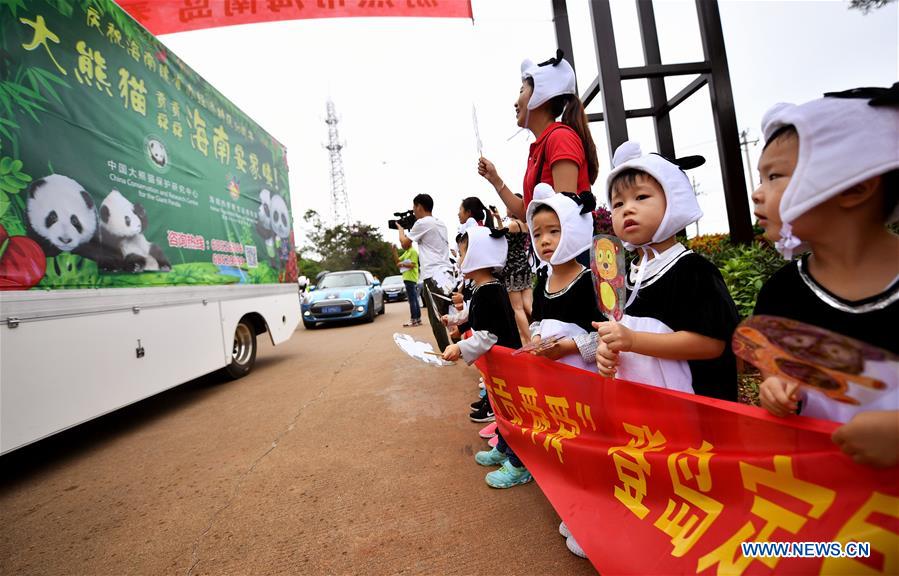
x,y
575,212
551,78
682,208
486,248
845,138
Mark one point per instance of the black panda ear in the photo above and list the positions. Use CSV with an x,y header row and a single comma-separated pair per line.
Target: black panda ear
x,y
104,213
87,199
142,214
689,162
34,186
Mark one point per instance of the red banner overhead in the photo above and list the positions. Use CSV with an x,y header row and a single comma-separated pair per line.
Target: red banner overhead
x,y
167,16
657,482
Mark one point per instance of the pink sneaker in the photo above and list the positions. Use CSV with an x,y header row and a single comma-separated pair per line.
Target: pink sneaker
x,y
488,431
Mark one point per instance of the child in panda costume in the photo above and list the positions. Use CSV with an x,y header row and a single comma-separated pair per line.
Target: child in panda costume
x,y
679,316
561,228
483,254
830,187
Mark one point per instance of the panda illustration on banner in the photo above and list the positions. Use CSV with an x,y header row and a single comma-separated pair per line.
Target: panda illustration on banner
x,y
62,217
273,226
122,224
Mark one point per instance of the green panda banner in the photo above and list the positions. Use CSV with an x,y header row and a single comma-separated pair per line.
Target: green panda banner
x,y
120,166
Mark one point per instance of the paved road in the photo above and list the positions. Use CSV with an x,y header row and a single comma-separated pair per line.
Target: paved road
x,y
337,455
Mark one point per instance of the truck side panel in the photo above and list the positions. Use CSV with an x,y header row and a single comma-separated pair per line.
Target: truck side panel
x,y
90,365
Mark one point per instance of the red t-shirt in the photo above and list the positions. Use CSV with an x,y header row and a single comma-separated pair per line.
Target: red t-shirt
x,y
558,142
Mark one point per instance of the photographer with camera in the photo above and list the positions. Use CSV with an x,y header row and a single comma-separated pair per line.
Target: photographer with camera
x,y
433,252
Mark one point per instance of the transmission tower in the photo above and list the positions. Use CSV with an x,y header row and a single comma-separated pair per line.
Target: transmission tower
x,y
340,206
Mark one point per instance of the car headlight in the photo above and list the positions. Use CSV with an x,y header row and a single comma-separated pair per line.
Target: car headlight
x,y
360,294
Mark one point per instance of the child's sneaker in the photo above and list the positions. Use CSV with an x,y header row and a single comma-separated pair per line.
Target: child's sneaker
x,y
490,457
493,442
508,476
564,531
476,405
481,383
483,414
574,547
488,431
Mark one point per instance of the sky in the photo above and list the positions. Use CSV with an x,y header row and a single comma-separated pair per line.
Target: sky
x,y
404,89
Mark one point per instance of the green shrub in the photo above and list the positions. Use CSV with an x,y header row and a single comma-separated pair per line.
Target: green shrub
x,y
745,267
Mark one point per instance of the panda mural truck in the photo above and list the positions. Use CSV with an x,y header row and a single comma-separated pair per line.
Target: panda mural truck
x,y
145,221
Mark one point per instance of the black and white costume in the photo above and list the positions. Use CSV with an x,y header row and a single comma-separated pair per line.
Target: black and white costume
x,y
489,312
567,312
844,139
793,293
682,291
677,290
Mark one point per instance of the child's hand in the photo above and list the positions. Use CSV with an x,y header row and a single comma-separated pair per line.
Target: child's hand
x,y
452,352
558,350
779,396
444,319
457,299
606,360
617,336
871,438
454,333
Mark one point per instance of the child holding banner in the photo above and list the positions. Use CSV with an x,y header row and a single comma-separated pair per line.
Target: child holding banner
x,y
561,228
829,184
483,253
679,315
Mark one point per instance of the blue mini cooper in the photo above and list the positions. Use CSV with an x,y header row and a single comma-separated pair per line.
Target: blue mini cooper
x,y
348,295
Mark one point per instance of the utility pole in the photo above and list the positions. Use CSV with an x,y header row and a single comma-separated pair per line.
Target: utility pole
x,y
744,144
340,206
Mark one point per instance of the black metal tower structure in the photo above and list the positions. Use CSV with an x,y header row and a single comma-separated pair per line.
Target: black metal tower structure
x,y
711,71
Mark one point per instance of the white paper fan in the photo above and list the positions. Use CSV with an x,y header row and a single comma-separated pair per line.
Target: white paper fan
x,y
421,351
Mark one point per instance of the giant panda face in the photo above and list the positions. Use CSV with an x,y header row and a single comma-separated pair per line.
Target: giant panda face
x,y
61,212
157,152
119,217
280,217
265,209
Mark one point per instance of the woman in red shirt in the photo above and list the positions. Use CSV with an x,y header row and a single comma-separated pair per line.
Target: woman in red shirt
x,y
564,155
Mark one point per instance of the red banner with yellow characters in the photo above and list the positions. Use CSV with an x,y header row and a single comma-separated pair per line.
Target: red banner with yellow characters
x,y
167,16
651,481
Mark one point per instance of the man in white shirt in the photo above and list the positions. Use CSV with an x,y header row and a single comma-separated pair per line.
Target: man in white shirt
x,y
435,267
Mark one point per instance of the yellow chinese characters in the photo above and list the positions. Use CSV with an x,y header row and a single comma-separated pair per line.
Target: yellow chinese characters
x,y
198,139
688,519
566,427
539,421
133,92
884,543
221,145
240,160
728,556
92,68
254,166
633,468
509,409
41,35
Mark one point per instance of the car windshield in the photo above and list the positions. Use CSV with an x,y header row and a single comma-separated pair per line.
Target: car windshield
x,y
391,280
343,281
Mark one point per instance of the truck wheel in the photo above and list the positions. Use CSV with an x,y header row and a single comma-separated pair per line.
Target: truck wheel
x,y
370,317
243,354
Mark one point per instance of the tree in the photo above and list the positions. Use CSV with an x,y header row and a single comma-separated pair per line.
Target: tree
x,y
342,247
867,5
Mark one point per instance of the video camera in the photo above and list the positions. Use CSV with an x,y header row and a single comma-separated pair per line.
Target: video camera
x,y
405,219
